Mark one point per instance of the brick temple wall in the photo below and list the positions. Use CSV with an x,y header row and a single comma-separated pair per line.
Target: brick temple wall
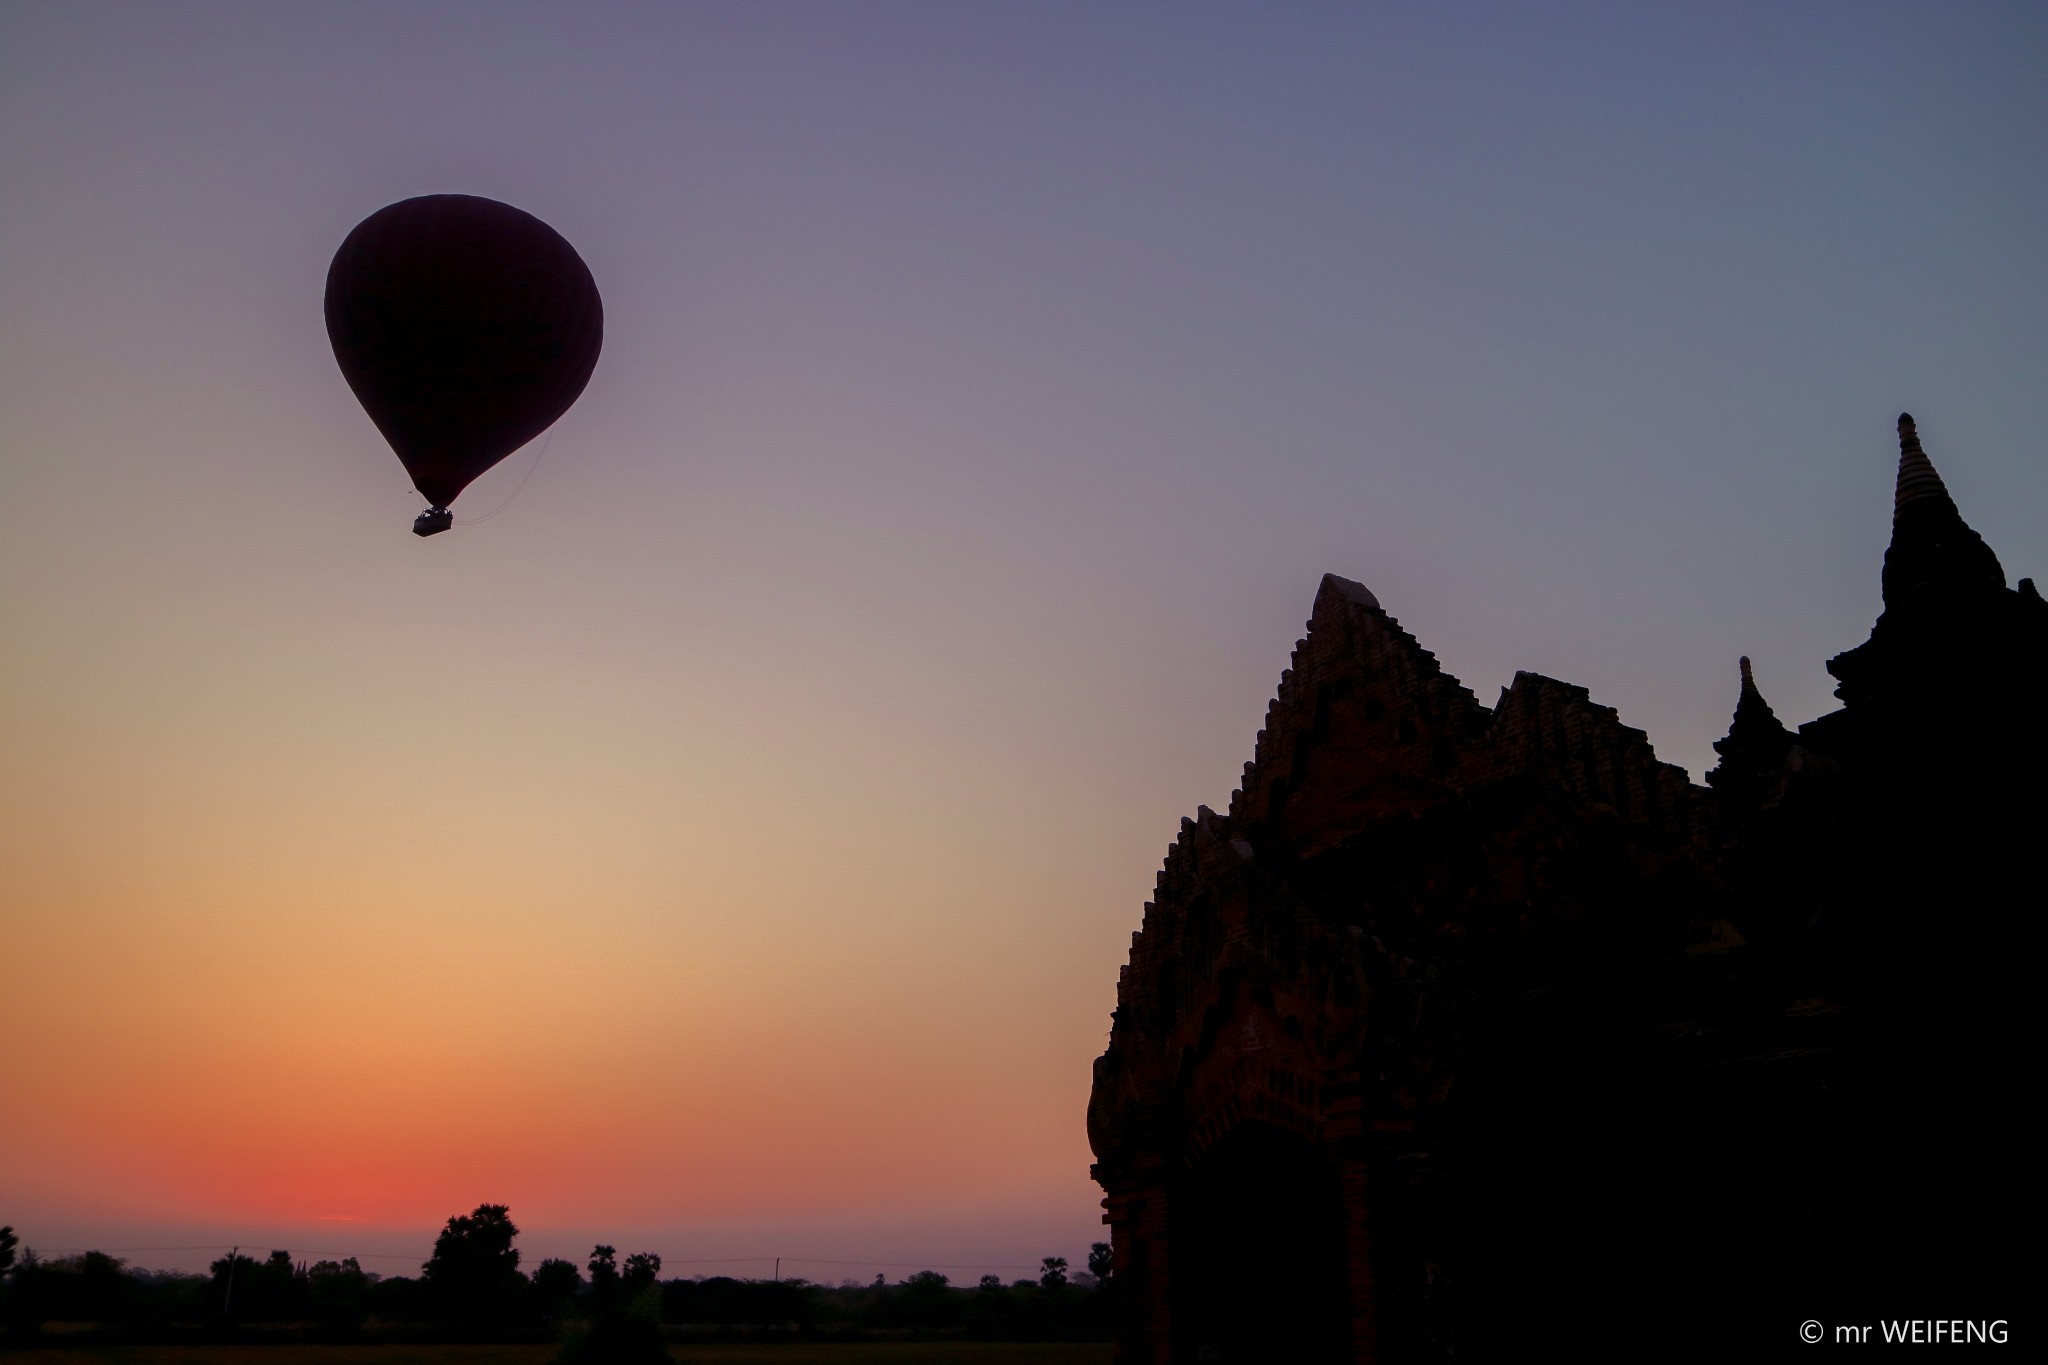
x,y
1565,1025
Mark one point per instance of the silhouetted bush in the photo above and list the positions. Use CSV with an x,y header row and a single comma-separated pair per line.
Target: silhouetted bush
x,y
339,1293
398,1298
95,1288
556,1286
473,1276
625,1312
474,1291
247,1290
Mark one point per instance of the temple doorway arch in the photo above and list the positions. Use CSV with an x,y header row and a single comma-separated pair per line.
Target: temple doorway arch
x,y
1258,1253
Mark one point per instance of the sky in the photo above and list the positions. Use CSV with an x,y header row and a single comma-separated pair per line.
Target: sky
x,y
726,846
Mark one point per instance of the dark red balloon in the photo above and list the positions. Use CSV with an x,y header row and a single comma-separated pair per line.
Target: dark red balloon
x,y
465,327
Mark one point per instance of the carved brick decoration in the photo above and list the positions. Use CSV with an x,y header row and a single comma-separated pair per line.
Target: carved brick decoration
x,y
1468,1027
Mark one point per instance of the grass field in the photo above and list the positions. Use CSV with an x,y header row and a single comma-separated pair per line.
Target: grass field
x,y
880,1353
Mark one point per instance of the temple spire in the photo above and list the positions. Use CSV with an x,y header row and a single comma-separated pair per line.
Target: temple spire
x,y
1755,744
1918,480
1933,549
1754,720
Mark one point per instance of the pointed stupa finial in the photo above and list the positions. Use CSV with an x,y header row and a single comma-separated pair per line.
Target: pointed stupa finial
x,y
1917,477
1756,740
1751,710
1931,544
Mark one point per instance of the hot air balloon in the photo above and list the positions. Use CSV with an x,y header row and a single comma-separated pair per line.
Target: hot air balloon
x,y
465,327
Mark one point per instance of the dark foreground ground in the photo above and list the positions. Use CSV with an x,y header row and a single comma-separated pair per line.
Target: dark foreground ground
x,y
851,1353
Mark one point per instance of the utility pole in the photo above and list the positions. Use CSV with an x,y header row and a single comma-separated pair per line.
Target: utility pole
x,y
778,1270
228,1299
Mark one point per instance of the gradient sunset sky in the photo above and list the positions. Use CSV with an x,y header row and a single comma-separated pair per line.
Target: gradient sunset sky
x,y
729,848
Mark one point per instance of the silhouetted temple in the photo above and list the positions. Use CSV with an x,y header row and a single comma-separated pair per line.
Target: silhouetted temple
x,y
1482,1032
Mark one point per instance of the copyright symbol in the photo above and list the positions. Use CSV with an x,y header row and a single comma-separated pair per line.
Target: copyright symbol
x,y
1810,1331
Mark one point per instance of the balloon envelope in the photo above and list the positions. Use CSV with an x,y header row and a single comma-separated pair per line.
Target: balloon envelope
x,y
465,327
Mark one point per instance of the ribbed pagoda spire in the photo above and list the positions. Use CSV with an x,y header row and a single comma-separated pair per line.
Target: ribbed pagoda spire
x,y
1918,480
1933,549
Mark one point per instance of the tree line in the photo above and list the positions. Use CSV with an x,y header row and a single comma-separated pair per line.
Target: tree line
x,y
610,1308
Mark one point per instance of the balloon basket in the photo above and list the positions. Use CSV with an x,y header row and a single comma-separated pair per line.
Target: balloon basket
x,y
433,521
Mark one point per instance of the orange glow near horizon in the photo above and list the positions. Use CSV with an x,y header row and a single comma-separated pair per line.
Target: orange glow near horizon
x,y
292,1066
353,985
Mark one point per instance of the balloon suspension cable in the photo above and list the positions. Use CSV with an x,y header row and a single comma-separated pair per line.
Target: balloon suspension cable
x,y
513,496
